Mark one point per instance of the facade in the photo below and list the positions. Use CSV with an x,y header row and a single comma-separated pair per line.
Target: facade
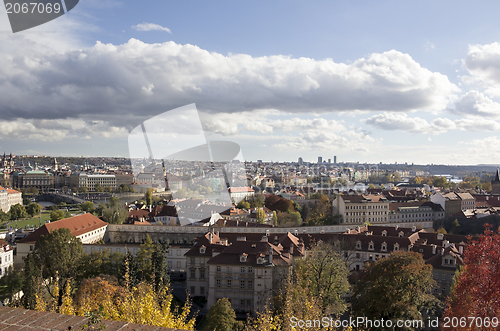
x,y
495,183
8,198
7,162
6,258
86,227
91,181
38,179
358,209
454,203
414,212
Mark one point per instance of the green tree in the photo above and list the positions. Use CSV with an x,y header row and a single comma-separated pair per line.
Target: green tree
x,y
4,217
31,281
57,215
17,211
325,275
402,282
87,207
441,182
98,188
243,205
33,209
58,255
83,189
221,317
149,196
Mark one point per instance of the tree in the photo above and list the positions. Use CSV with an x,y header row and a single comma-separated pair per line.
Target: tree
x,y
149,196
57,215
87,207
243,205
441,182
33,209
17,211
221,317
326,276
83,189
58,255
475,291
402,282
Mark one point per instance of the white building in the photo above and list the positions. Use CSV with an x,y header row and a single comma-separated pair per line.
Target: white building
x,y
6,257
8,198
86,227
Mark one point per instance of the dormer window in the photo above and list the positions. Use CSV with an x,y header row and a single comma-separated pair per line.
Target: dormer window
x,y
260,260
401,234
384,233
243,258
370,246
358,245
203,249
384,247
396,247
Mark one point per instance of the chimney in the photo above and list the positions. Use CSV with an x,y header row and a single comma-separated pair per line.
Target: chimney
x,y
264,239
291,249
414,228
461,249
433,249
210,237
237,222
270,255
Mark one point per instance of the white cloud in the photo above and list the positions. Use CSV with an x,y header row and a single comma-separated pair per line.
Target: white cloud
x,y
150,27
401,122
483,64
477,104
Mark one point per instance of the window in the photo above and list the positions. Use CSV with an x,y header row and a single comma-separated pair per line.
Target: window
x,y
358,245
192,260
179,264
249,302
202,291
218,268
31,247
444,276
193,290
384,247
242,269
170,264
250,269
370,246
242,284
218,282
250,284
229,283
193,273
178,252
202,273
242,302
445,261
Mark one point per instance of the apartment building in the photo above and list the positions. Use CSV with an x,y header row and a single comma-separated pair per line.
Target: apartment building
x,y
414,212
6,257
358,209
8,198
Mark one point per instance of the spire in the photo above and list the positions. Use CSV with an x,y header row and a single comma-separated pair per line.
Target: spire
x,y
497,176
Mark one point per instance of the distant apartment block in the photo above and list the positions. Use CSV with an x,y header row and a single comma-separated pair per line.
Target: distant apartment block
x,y
91,181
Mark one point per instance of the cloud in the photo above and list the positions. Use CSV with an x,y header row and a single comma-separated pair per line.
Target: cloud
x,y
115,82
477,104
401,122
483,64
150,27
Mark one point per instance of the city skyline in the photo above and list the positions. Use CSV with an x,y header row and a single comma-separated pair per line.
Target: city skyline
x,y
363,82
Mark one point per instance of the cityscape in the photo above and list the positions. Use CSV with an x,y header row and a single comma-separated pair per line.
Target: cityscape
x,y
249,165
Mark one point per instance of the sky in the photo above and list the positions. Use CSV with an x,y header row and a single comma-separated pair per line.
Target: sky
x,y
367,81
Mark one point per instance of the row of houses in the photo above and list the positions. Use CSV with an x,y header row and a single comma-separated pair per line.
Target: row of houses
x,y
246,268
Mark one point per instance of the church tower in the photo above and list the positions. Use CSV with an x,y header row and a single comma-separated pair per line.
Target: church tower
x,y
56,167
495,184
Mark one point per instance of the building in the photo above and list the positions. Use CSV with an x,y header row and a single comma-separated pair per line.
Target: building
x,y
7,162
320,159
246,272
9,198
41,180
6,257
91,181
358,209
414,212
86,227
237,194
495,183
454,203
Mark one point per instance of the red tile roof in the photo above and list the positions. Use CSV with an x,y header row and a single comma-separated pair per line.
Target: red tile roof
x,y
78,225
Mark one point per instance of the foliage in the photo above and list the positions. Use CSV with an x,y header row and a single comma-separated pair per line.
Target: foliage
x,y
256,201
288,219
33,209
475,292
325,275
57,215
149,196
17,211
221,317
243,205
115,214
278,203
104,262
402,282
58,255
151,263
87,207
